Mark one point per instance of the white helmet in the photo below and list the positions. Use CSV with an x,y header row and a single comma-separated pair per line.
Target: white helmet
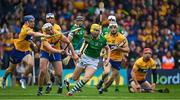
x,y
113,24
47,25
112,17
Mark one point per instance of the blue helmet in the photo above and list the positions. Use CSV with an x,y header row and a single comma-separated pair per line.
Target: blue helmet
x,y
28,18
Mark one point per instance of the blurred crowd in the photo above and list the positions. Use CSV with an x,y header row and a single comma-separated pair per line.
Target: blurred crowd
x,y
149,23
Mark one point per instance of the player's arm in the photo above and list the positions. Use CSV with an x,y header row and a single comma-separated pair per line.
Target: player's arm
x,y
83,47
124,47
133,71
50,48
70,46
36,34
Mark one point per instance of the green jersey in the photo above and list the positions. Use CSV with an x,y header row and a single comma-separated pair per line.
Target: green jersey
x,y
77,37
94,46
106,30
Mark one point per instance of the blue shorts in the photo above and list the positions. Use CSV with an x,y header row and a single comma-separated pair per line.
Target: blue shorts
x,y
17,56
51,57
115,64
141,82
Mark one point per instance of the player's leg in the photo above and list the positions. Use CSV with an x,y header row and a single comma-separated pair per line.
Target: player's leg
x,y
30,63
133,87
8,71
91,64
42,73
58,72
117,79
28,60
89,72
75,76
48,79
115,72
147,87
15,58
104,76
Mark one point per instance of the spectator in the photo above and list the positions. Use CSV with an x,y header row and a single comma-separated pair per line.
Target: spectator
x,y
158,61
8,47
168,61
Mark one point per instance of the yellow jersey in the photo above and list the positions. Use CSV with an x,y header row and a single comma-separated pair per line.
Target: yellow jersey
x,y
8,44
23,42
57,27
53,41
142,68
115,41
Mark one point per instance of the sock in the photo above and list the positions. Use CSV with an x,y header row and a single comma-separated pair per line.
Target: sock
x,y
160,90
40,89
100,82
6,75
60,85
104,76
23,77
117,87
4,78
78,86
49,84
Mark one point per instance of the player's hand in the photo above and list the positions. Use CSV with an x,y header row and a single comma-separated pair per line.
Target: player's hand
x,y
75,57
138,87
62,52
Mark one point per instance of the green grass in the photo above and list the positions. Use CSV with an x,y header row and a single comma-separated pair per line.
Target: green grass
x,y
90,93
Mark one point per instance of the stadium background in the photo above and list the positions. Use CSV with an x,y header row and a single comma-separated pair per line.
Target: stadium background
x,y
149,23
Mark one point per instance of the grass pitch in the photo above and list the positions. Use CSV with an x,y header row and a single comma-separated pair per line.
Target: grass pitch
x,y
89,93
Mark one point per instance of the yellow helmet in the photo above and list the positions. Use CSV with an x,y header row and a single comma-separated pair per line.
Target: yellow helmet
x,y
97,26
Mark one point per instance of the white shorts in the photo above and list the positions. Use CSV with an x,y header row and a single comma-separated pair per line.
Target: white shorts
x,y
86,61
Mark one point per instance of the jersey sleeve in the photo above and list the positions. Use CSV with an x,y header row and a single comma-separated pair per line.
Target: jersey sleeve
x,y
123,42
136,65
28,30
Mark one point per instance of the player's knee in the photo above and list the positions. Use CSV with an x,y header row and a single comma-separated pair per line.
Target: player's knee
x,y
43,70
106,72
74,78
86,79
153,86
114,74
